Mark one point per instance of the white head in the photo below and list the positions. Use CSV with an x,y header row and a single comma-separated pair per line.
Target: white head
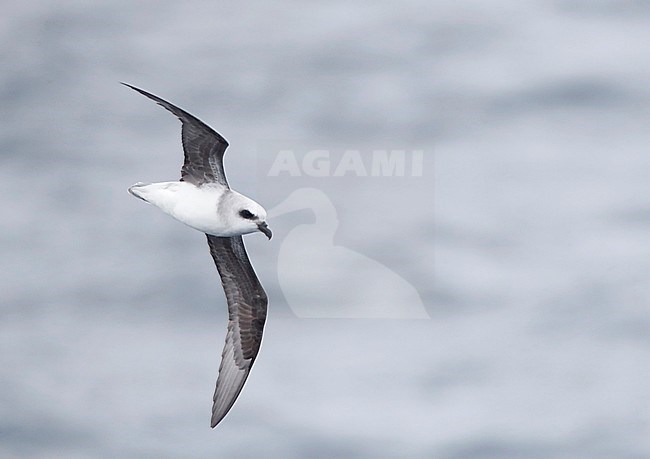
x,y
244,215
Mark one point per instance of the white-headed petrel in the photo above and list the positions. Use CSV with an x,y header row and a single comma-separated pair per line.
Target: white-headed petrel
x,y
203,200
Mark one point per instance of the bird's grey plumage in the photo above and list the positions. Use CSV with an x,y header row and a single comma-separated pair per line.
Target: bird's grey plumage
x,y
247,302
203,146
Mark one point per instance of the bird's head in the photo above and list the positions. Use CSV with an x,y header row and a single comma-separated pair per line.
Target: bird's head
x,y
247,216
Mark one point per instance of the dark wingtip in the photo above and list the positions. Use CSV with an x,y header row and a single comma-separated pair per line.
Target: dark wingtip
x,y
142,91
214,421
177,111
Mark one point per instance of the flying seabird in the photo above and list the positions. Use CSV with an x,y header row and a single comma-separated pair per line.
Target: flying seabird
x,y
203,200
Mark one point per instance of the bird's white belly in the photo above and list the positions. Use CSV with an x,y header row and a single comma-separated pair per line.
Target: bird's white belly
x,y
196,207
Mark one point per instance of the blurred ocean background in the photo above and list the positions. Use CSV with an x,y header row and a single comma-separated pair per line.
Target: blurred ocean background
x,y
527,237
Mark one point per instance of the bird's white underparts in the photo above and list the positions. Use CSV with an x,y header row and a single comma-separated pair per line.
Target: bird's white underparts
x,y
210,208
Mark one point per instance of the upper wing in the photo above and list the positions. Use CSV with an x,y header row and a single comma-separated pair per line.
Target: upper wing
x,y
247,304
203,146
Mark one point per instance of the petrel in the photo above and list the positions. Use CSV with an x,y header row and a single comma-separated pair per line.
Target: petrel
x,y
203,200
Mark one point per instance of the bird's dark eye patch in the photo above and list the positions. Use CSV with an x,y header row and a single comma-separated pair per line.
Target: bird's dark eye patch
x,y
246,214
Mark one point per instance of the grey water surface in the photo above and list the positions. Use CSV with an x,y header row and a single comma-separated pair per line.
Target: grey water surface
x,y
526,236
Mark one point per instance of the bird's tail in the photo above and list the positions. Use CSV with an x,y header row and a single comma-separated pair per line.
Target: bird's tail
x,y
136,190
